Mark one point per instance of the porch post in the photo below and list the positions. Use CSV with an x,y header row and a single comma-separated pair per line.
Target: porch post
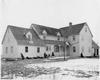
x,y
64,49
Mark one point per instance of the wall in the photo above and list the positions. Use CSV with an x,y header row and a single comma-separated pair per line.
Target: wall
x,y
32,51
76,53
74,43
48,37
9,41
85,40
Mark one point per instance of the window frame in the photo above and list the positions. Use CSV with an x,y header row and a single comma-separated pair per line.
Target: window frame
x,y
58,38
29,36
57,48
26,49
74,49
74,38
38,49
47,48
6,50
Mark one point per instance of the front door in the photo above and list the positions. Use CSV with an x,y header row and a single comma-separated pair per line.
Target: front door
x,y
68,51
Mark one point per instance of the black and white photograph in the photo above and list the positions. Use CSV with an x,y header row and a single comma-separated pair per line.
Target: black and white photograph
x,y
49,39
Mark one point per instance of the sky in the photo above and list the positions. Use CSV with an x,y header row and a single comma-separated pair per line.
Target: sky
x,y
52,13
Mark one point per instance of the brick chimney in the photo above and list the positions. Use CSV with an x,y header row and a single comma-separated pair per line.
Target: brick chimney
x,y
70,23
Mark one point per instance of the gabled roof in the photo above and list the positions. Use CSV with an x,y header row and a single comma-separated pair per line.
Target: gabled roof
x,y
49,30
72,30
19,35
95,45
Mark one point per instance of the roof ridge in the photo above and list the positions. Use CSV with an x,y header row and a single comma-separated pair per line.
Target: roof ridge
x,y
17,27
73,25
45,26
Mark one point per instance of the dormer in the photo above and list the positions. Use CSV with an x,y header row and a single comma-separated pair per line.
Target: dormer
x,y
58,35
44,34
29,36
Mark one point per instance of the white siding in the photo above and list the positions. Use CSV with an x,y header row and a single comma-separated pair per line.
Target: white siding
x,y
70,39
85,40
32,51
74,43
48,37
76,53
9,41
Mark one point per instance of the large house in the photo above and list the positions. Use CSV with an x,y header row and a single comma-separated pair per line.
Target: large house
x,y
73,40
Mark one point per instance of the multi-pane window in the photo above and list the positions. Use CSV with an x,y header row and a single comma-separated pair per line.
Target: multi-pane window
x,y
74,49
38,49
58,37
97,51
56,49
47,48
29,37
11,49
6,49
44,34
74,38
26,49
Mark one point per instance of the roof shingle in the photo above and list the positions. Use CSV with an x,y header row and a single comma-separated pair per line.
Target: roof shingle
x,y
19,33
71,30
49,30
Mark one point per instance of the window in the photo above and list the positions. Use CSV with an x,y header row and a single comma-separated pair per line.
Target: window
x,y
44,37
85,29
29,37
97,51
58,38
74,38
26,49
74,49
44,34
56,49
6,49
47,48
38,49
11,49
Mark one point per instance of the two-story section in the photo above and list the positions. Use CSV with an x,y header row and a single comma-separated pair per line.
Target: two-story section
x,y
85,40
9,45
52,38
79,36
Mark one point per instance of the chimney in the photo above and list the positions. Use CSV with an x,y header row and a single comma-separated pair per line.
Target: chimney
x,y
70,23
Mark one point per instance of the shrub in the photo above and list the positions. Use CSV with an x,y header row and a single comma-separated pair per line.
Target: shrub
x,y
45,55
22,56
53,54
94,55
82,55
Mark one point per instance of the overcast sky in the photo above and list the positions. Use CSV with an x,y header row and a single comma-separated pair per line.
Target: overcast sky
x,y
53,13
